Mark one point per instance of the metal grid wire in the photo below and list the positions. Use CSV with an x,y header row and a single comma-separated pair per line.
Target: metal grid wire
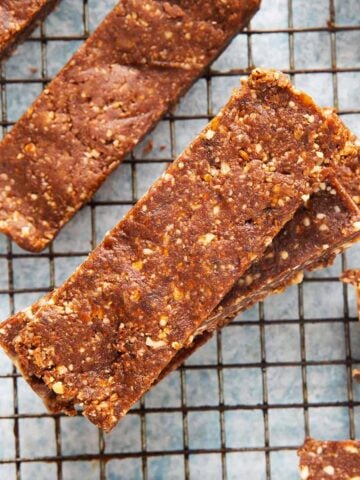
x,y
180,460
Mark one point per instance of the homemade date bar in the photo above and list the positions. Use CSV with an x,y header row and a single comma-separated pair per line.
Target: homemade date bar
x,y
136,65
322,460
272,273
102,339
304,235
320,230
309,244
17,20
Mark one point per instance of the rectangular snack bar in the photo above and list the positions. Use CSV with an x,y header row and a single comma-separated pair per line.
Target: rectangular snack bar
x,y
136,65
320,460
320,230
310,244
103,338
273,272
18,18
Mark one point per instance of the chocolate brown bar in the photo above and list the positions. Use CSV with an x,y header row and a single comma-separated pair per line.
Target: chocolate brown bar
x,y
311,240
273,273
18,18
320,460
103,338
136,65
353,278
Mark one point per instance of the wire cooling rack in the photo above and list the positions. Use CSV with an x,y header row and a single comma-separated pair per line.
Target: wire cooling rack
x,y
240,406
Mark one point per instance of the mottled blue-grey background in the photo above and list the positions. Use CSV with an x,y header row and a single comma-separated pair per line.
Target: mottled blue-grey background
x,y
307,323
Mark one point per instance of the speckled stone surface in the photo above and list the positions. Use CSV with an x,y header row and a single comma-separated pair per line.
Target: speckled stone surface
x,y
241,384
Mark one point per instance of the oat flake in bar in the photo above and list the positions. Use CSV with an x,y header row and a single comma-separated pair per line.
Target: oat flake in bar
x,y
339,460
136,65
18,18
104,337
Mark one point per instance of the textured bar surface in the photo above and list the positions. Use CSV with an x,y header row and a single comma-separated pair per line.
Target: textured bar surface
x,y
128,74
273,273
104,337
320,460
17,20
321,229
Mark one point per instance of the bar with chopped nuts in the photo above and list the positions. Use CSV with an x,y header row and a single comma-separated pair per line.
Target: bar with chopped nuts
x,y
132,69
272,274
320,459
18,18
325,226
311,246
103,338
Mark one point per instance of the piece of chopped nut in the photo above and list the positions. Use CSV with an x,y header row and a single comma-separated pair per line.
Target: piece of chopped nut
x,y
209,134
163,320
177,294
155,343
30,148
135,296
304,474
58,388
351,449
61,369
305,198
216,210
225,168
329,470
25,231
207,238
138,265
